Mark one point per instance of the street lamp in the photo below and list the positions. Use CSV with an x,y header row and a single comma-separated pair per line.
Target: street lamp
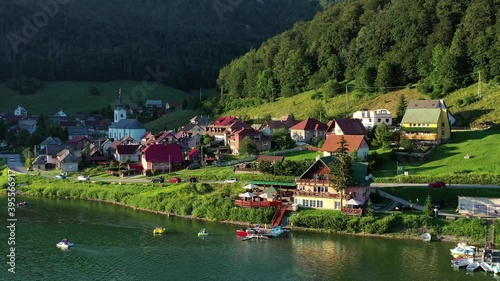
x,y
435,212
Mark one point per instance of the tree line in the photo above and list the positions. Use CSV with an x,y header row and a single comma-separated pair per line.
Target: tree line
x,y
101,41
374,45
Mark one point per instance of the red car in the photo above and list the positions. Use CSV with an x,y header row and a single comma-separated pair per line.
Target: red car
x,y
437,184
175,180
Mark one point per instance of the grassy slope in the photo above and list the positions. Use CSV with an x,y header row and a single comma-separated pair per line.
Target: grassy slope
x,y
73,97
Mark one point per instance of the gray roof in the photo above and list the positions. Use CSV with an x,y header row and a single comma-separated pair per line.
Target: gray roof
x,y
40,160
66,156
54,149
127,124
426,104
51,140
78,131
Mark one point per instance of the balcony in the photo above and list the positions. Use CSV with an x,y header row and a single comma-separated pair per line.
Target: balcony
x,y
313,182
420,136
322,195
257,204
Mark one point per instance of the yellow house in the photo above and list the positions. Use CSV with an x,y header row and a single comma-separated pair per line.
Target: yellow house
x,y
429,125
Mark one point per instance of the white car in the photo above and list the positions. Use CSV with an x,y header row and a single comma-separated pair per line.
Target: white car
x,y
231,181
12,159
83,178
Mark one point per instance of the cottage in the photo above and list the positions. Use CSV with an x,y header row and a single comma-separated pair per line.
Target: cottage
x,y
354,143
28,125
162,157
20,111
284,123
66,161
371,118
129,153
347,126
60,113
426,125
308,130
77,131
416,104
224,127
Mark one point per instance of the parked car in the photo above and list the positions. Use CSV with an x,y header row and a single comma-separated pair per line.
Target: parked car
x,y
175,180
12,159
437,184
83,178
158,179
231,181
193,179
61,177
193,166
401,207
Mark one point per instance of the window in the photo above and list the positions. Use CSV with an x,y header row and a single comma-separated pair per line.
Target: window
x,y
306,203
379,120
313,203
462,206
121,115
319,203
370,120
337,205
387,120
297,201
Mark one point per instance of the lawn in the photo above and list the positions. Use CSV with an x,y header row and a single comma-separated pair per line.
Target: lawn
x,y
302,155
174,120
73,97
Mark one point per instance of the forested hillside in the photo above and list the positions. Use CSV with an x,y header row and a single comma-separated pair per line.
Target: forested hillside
x,y
95,40
371,45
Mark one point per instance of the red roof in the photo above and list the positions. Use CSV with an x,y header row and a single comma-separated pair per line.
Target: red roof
x,y
126,149
310,124
224,120
162,153
77,139
192,153
353,142
135,166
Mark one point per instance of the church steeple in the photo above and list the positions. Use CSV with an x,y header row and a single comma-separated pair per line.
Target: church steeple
x,y
120,110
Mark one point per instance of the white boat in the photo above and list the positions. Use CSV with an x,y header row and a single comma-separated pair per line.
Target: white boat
x,y
461,262
496,268
473,266
460,250
486,267
426,237
64,245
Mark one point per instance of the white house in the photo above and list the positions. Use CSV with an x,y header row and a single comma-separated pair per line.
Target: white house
x,y
125,127
20,111
60,113
154,103
370,118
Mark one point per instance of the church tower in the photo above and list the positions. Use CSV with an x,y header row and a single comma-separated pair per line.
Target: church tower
x,y
120,110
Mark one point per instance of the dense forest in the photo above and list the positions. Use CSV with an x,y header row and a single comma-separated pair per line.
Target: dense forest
x,y
117,39
371,45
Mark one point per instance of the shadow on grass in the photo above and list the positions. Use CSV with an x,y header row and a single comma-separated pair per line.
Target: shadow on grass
x,y
468,116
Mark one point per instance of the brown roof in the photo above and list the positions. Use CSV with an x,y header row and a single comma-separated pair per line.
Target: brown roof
x,y
349,126
332,142
270,158
310,124
126,149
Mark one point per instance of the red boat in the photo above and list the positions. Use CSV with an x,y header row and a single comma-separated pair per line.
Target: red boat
x,y
241,232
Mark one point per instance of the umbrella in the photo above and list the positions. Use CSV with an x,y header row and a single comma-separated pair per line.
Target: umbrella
x,y
266,196
270,190
353,202
250,186
247,195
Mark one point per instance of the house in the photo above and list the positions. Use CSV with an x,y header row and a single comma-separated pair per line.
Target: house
x,y
426,125
193,156
479,206
347,126
39,162
165,137
50,141
270,158
172,105
154,103
20,111
66,161
192,128
202,120
51,151
261,142
77,131
11,118
314,189
308,130
370,118
188,141
354,143
415,104
81,144
129,153
162,157
268,127
224,126
95,156
125,127
60,113
28,125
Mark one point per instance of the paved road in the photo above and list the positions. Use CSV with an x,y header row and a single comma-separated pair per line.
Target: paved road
x,y
383,185
16,165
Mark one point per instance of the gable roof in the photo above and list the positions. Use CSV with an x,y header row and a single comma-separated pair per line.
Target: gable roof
x,y
426,104
77,130
78,139
193,153
51,140
224,120
350,126
126,149
65,156
54,149
161,153
332,142
421,115
40,160
323,160
127,124
310,124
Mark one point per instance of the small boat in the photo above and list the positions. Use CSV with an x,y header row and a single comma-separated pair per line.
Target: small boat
x,y
64,245
486,267
275,232
247,238
159,230
496,268
467,250
427,237
242,232
461,262
473,266
23,204
203,232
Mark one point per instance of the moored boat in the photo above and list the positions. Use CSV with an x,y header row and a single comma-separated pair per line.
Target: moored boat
x,y
275,232
461,250
496,268
461,262
486,267
473,266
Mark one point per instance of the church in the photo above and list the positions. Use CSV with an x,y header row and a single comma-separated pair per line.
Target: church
x,y
125,127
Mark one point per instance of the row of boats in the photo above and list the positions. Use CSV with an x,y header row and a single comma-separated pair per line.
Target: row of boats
x,y
259,232
463,256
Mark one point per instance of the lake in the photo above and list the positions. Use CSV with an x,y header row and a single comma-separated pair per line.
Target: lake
x,y
116,243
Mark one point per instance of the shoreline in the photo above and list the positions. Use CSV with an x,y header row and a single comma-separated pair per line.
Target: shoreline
x,y
293,228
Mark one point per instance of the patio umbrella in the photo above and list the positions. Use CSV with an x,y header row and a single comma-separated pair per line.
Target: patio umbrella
x,y
267,196
270,190
250,186
353,202
247,195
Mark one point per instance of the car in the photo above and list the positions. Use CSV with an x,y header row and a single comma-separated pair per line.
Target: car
x,y
193,166
401,207
83,178
61,177
231,181
175,180
158,179
437,184
12,159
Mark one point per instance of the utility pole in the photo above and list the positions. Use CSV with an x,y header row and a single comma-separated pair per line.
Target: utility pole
x,y
346,97
479,85
222,93
200,94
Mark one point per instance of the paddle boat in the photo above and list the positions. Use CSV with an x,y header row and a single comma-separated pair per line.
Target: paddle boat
x,y
461,262
64,244
486,266
23,204
159,230
203,232
473,266
463,249
496,268
275,232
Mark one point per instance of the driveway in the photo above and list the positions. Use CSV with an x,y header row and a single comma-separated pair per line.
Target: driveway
x,y
16,165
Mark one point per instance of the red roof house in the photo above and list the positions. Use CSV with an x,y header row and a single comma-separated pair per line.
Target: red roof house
x,y
129,152
307,130
162,157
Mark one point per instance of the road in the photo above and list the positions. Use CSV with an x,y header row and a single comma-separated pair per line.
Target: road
x,y
385,185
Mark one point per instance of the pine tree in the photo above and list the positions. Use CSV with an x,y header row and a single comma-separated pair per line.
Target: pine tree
x,y
403,104
341,169
428,206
